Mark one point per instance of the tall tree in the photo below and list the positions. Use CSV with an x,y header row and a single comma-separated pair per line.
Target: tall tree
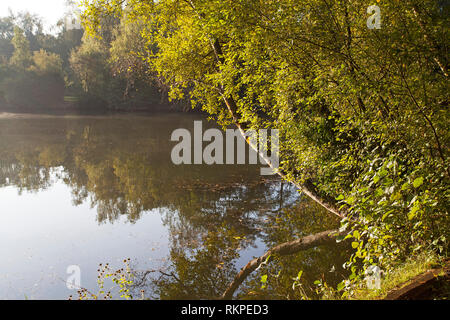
x,y
22,55
6,34
89,62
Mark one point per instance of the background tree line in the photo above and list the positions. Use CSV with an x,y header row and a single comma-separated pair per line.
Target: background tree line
x,y
67,69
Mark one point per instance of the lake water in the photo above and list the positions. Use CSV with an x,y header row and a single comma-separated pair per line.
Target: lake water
x,y
89,190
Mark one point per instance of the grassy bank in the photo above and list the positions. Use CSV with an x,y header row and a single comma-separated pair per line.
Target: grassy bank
x,y
400,276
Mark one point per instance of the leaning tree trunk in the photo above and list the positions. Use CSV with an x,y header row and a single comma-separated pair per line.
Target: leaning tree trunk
x,y
308,188
329,203
283,249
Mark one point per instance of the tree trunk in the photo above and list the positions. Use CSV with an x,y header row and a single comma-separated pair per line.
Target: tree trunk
x,y
308,188
283,249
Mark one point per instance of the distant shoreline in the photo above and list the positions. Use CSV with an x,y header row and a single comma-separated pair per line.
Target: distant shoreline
x,y
7,113
25,115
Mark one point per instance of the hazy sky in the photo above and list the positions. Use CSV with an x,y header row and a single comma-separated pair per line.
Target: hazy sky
x,y
50,10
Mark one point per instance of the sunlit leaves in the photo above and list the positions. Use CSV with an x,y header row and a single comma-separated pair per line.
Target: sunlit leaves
x,y
360,111
418,182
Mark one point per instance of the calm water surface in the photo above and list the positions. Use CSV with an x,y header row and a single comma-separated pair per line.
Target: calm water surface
x,y
99,189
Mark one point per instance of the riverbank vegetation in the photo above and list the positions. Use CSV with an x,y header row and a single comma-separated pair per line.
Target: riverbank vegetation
x,y
402,274
362,112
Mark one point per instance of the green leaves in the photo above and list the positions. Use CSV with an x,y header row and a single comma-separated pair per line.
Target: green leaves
x,y
340,286
264,281
418,182
353,122
413,212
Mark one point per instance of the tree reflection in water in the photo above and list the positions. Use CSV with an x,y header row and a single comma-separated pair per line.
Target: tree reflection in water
x,y
122,167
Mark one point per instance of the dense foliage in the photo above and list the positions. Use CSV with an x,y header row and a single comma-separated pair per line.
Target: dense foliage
x,y
363,112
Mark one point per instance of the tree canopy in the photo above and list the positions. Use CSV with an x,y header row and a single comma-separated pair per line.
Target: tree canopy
x,y
362,111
